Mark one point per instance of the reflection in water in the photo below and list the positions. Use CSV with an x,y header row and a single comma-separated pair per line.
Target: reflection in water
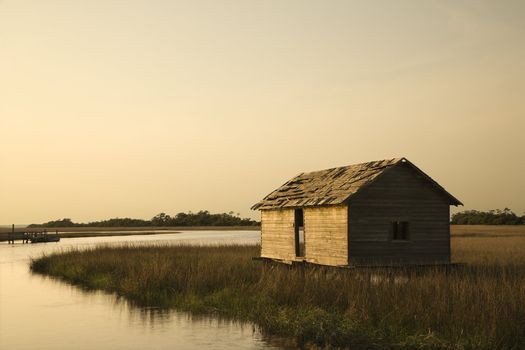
x,y
38,312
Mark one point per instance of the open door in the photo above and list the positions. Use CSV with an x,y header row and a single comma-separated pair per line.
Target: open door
x,y
299,233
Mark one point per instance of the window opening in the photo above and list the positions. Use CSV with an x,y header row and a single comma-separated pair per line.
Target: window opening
x,y
400,231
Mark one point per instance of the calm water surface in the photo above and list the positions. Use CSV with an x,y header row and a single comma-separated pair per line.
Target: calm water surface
x,y
37,312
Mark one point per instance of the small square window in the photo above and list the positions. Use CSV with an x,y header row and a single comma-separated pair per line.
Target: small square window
x,y
400,231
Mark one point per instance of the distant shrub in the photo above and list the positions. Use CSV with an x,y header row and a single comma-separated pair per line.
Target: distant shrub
x,y
491,217
201,218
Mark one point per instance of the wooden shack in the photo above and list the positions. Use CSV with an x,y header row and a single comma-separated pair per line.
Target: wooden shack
x,y
377,213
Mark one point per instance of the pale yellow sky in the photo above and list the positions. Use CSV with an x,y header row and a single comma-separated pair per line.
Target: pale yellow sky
x,y
130,108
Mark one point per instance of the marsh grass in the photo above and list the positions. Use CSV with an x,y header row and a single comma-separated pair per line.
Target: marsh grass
x,y
480,306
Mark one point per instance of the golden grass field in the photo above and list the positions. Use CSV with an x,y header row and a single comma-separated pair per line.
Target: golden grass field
x,y
487,230
480,305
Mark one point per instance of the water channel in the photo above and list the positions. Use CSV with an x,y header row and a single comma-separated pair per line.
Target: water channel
x,y
37,312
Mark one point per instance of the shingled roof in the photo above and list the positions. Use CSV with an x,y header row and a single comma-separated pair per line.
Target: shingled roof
x,y
333,186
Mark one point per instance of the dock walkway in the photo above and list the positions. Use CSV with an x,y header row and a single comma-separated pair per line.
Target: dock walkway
x,y
27,236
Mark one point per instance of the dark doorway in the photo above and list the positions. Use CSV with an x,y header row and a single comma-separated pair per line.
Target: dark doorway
x,y
299,233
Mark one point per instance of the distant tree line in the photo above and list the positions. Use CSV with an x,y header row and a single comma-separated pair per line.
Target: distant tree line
x,y
201,218
491,217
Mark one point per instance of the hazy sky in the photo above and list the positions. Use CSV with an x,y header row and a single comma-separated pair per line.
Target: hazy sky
x,y
130,108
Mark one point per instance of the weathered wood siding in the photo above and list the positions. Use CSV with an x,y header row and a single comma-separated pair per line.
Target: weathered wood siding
x,y
326,235
277,234
399,194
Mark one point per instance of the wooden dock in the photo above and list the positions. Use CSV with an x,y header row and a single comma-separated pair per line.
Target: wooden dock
x,y
27,236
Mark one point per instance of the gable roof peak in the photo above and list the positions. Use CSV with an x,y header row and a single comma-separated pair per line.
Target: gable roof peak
x,y
333,186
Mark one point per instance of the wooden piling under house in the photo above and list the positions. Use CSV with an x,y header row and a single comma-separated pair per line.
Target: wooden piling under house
x,y
385,212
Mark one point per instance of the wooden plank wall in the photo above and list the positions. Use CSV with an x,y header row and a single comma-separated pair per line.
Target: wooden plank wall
x,y
277,234
400,194
326,235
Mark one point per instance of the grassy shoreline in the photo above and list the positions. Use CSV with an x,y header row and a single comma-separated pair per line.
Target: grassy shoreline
x,y
455,229
77,232
133,228
479,307
112,233
474,231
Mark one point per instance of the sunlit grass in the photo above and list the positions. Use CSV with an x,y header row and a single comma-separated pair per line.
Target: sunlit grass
x,y
480,306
